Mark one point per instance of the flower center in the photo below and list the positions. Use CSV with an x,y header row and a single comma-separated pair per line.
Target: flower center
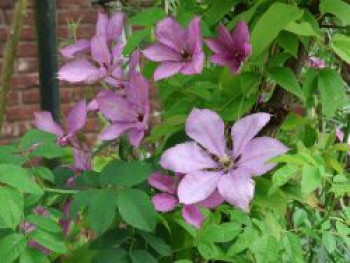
x,y
140,117
186,55
226,162
238,55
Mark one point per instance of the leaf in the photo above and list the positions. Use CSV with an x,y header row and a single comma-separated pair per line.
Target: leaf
x,y
332,92
157,244
288,42
141,256
218,10
120,173
292,246
49,150
135,39
329,242
11,207
118,255
33,137
340,45
148,16
32,255
265,249
102,209
209,250
283,175
301,28
49,241
274,20
340,189
137,210
44,173
44,223
338,8
287,80
11,247
220,233
243,241
311,179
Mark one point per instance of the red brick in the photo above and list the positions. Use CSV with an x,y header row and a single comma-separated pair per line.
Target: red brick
x,y
12,98
25,80
91,125
3,32
83,31
26,65
31,96
6,4
84,16
73,3
2,17
71,94
28,33
21,112
28,18
27,49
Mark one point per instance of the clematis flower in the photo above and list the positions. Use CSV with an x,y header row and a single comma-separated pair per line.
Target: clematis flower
x,y
178,50
211,166
315,62
231,49
106,55
128,115
166,200
76,119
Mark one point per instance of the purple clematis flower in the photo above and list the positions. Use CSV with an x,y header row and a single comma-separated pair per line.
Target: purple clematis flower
x,y
167,201
315,62
179,50
231,49
76,119
128,115
106,55
211,166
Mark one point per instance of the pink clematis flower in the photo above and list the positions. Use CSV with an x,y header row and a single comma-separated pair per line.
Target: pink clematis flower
x,y
178,50
106,54
210,166
76,119
128,115
167,201
315,62
231,49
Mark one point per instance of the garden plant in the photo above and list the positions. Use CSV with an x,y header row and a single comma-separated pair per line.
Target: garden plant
x,y
246,160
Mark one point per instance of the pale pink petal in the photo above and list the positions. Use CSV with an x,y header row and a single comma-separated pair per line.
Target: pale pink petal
x,y
164,202
102,23
44,121
170,33
166,70
82,159
100,51
162,182
76,118
114,131
194,35
115,26
71,50
256,154
224,37
208,129
240,35
92,106
117,54
138,91
221,59
216,46
237,188
160,53
78,71
185,158
246,129
192,215
213,201
197,186
135,136
195,66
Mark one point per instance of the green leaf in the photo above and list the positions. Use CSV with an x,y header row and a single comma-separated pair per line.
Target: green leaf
x,y
118,255
209,250
18,178
135,39
44,223
32,255
220,233
341,189
274,20
137,210
329,242
301,28
218,10
36,137
44,173
49,241
311,179
340,45
157,244
11,247
283,175
49,150
332,92
265,249
287,80
292,246
338,8
243,241
289,42
11,207
141,256
148,17
102,209
120,173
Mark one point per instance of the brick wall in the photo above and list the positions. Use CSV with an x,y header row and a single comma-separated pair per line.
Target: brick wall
x,y
23,98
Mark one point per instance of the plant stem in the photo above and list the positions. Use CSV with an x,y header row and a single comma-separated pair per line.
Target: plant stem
x,y
61,191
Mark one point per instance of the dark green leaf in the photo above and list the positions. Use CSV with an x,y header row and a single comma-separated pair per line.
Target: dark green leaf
x,y
157,244
49,150
220,233
11,207
44,173
44,223
32,255
142,256
11,247
33,137
288,42
135,39
118,255
148,17
49,241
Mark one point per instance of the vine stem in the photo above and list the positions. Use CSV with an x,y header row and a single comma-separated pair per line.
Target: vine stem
x,y
61,191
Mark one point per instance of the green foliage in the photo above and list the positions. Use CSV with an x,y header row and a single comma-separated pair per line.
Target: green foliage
x,y
11,247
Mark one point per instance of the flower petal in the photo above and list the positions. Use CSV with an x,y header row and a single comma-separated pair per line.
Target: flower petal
x,y
197,186
160,53
115,26
240,35
192,215
216,46
170,33
78,71
257,153
185,158
71,50
237,188
44,121
246,129
114,131
76,118
100,51
162,182
166,70
213,201
195,66
194,35
224,37
82,159
207,128
164,202
138,91
135,136
102,22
